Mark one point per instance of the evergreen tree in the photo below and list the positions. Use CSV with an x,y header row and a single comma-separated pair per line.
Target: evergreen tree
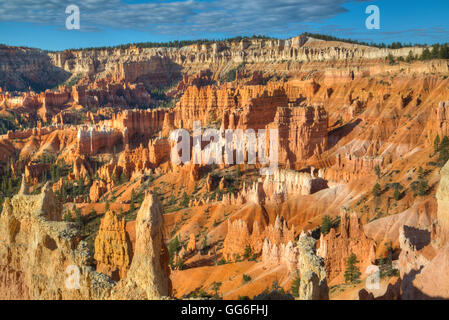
x,y
133,196
352,272
326,225
247,253
390,59
443,157
92,213
173,248
426,54
295,285
410,57
184,200
78,216
436,143
123,178
423,187
80,186
397,194
204,245
377,190
216,287
377,171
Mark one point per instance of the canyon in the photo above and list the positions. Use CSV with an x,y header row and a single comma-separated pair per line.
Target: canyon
x,y
89,191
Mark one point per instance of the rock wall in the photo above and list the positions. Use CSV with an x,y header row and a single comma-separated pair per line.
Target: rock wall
x,y
93,139
148,275
302,132
336,248
113,250
160,65
260,241
137,125
25,67
442,196
313,283
40,254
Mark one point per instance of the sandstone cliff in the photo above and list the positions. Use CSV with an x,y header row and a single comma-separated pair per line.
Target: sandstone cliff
x,y
443,198
43,257
113,251
313,284
148,275
336,248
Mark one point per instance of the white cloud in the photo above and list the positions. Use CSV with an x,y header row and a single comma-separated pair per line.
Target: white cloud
x,y
178,17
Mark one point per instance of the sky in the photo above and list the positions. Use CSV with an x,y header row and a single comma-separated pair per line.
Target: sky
x,y
42,24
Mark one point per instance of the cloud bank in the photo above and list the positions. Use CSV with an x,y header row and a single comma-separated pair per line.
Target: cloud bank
x,y
180,17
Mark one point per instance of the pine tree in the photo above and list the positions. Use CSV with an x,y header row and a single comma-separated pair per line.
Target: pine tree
x,y
93,213
390,59
184,200
204,245
377,190
426,54
410,57
247,253
352,272
326,225
78,216
397,194
123,178
443,157
216,287
295,285
436,143
423,187
377,171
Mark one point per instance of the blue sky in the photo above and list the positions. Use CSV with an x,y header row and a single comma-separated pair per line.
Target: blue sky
x,y
41,24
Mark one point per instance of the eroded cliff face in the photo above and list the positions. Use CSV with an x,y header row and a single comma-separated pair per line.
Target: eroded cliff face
x,y
161,64
148,275
41,256
424,254
22,68
336,248
443,198
313,284
113,250
342,113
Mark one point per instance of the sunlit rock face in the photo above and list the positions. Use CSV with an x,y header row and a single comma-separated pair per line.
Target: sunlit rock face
x,y
113,251
335,247
148,275
443,198
37,249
